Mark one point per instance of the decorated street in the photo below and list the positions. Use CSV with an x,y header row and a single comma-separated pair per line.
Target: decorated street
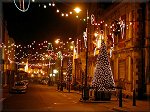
x,y
64,55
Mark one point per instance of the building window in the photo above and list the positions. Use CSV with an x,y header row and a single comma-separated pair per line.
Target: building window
x,y
121,69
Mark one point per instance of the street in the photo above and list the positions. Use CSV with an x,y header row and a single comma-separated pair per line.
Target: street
x,y
47,98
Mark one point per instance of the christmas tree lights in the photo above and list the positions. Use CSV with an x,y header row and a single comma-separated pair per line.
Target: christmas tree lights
x,y
69,73
103,77
69,69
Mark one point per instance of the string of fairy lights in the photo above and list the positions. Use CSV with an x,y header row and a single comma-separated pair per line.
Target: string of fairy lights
x,y
110,27
34,52
116,26
21,7
119,25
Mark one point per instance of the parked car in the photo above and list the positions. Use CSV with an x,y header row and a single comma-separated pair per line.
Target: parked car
x,y
26,82
44,81
19,87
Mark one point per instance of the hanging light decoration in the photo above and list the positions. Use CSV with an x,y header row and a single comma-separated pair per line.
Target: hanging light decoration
x,y
22,5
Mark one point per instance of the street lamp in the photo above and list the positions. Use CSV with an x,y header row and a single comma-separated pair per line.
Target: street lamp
x,y
86,89
85,93
61,57
77,10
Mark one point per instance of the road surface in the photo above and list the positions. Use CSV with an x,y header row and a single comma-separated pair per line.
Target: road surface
x,y
47,98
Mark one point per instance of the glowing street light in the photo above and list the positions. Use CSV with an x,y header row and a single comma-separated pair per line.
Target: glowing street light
x,y
71,47
95,34
85,90
77,9
61,73
57,41
55,71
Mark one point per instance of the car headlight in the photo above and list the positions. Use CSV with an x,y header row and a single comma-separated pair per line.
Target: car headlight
x,y
13,88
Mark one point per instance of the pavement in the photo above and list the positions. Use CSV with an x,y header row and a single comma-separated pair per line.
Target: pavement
x,y
3,92
127,103
141,105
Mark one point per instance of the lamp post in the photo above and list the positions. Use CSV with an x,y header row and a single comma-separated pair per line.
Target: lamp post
x,y
86,89
61,65
85,95
48,67
69,74
61,85
55,72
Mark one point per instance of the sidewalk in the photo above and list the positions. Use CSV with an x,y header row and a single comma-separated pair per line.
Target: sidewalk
x,y
141,105
127,105
4,92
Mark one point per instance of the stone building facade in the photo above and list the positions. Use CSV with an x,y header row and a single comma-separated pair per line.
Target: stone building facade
x,y
129,60
129,45
129,56
7,47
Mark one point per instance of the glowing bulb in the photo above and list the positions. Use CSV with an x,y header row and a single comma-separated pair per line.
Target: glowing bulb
x,y
50,4
66,15
130,23
57,10
44,6
62,14
96,34
53,4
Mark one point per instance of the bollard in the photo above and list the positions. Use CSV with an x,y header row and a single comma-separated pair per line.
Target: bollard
x,y
61,87
82,93
120,97
69,88
134,98
58,86
86,93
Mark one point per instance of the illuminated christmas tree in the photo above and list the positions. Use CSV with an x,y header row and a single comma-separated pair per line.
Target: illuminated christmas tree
x,y
69,73
103,78
69,68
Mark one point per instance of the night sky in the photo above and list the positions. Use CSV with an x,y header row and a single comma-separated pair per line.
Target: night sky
x,y
38,23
